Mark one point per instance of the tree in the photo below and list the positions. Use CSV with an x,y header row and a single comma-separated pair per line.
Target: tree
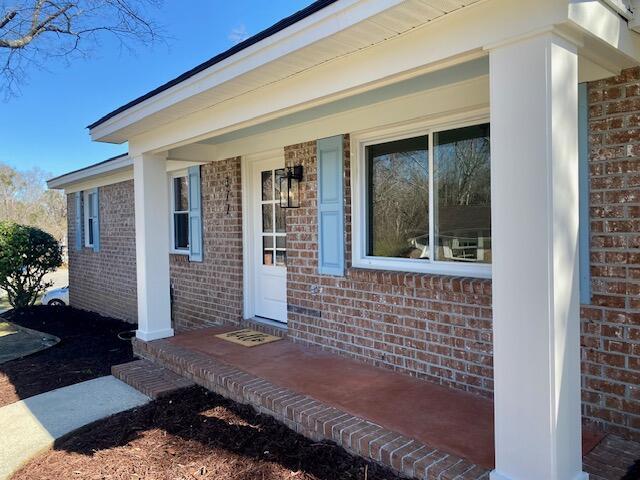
x,y
24,199
32,31
26,255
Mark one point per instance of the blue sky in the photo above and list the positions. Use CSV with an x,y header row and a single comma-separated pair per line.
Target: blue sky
x,y
45,126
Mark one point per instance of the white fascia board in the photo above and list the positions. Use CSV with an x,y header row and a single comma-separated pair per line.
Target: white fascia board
x,y
324,23
102,169
447,41
120,170
606,30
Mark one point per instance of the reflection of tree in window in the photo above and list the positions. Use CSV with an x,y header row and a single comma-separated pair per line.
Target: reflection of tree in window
x,y
463,190
398,198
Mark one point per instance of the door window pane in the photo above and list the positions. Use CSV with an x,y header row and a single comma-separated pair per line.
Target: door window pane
x,y
279,174
463,194
280,219
267,186
281,258
181,230
267,217
398,198
267,250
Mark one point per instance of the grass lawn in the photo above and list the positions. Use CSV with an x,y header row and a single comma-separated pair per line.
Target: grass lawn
x,y
196,434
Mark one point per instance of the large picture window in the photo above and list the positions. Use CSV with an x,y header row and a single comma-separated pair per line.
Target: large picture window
x,y
180,213
422,201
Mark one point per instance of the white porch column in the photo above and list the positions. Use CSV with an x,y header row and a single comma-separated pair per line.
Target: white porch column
x,y
152,247
534,181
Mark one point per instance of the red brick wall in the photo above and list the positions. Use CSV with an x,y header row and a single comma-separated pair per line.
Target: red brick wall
x,y
105,281
611,325
432,327
210,292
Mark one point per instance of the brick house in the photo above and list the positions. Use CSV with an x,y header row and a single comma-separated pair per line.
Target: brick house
x,y
467,212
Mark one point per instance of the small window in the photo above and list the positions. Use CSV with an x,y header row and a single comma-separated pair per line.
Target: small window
x,y
423,202
90,217
180,213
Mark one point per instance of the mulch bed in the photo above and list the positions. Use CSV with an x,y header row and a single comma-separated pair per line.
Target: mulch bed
x,y
195,434
88,347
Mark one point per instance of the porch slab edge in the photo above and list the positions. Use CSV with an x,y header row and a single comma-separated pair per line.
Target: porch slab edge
x,y
310,417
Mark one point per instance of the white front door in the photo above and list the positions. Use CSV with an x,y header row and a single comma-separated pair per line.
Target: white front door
x,y
269,242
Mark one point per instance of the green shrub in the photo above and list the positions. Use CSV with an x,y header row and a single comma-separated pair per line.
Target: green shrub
x,y
26,255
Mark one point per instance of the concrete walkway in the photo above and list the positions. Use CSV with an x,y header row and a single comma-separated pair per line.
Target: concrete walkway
x,y
32,425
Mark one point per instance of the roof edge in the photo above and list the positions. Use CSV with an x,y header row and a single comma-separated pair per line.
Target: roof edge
x,y
266,33
107,166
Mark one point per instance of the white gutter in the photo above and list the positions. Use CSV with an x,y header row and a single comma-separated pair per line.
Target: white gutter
x,y
110,166
621,7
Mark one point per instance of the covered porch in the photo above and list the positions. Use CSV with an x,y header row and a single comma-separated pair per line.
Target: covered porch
x,y
516,65
417,428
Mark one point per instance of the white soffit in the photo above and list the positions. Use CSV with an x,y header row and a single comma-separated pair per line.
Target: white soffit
x,y
335,31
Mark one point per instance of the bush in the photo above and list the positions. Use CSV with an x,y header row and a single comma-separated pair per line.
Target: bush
x,y
26,255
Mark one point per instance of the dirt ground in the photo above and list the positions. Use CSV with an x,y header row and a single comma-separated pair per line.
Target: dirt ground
x,y
195,434
88,347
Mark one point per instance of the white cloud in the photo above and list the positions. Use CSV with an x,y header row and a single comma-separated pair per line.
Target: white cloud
x,y
238,34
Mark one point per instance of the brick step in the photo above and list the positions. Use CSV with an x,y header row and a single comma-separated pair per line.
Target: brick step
x,y
150,378
312,418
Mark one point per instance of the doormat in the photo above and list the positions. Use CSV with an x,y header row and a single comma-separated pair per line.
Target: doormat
x,y
248,338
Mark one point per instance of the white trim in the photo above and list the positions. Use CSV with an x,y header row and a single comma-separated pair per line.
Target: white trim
x,y
110,167
154,335
358,198
85,211
172,199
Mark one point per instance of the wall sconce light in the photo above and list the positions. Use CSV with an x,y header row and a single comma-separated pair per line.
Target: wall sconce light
x,y
290,187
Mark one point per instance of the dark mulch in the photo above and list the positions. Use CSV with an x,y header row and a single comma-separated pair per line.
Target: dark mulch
x,y
88,347
195,434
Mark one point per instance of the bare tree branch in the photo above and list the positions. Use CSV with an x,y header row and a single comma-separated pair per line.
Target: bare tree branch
x,y
34,31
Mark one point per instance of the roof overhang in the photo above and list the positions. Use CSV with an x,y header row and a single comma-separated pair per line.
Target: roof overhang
x,y
109,167
337,29
347,33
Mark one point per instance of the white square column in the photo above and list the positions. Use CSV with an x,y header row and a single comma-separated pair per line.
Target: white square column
x,y
152,246
534,190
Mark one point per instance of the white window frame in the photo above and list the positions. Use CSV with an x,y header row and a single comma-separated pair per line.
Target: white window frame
x,y
359,142
172,205
86,202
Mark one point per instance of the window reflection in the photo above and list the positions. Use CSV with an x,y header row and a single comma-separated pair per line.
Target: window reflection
x,y
398,198
463,194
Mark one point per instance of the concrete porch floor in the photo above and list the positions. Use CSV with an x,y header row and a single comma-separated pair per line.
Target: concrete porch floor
x,y
453,421
433,417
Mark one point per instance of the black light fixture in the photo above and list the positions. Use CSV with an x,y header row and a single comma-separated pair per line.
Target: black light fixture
x,y
290,187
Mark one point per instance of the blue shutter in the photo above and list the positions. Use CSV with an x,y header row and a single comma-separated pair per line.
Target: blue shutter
x,y
195,215
583,195
330,206
78,221
96,220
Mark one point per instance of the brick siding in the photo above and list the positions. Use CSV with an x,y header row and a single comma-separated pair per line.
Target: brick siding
x,y
432,327
611,325
105,281
210,292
